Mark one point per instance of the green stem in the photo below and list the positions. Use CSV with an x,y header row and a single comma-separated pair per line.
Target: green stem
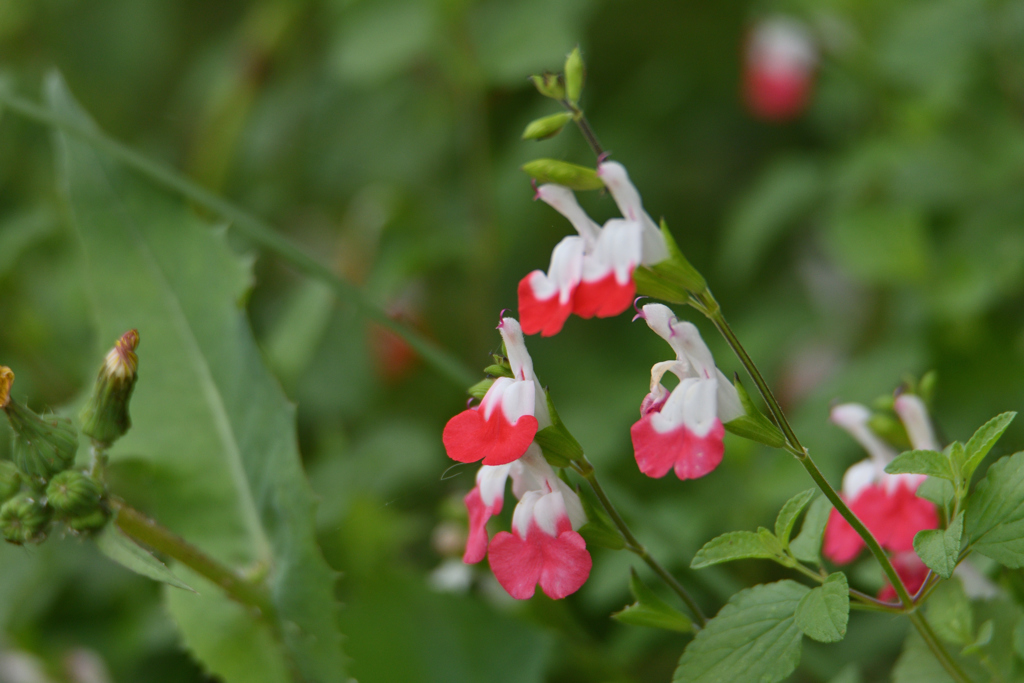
x,y
937,648
586,470
257,230
867,602
585,129
146,531
707,304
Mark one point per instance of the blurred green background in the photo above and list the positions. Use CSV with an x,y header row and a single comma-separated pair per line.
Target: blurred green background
x,y
878,235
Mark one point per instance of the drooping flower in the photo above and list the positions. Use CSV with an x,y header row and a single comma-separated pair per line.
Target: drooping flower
x,y
544,547
503,425
591,274
682,430
887,504
778,69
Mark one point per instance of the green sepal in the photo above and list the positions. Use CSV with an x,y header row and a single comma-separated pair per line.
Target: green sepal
x,y
824,612
670,280
499,371
88,522
42,445
10,481
546,126
754,425
72,493
24,518
939,549
575,72
650,610
599,528
890,429
479,390
789,513
549,85
563,173
559,446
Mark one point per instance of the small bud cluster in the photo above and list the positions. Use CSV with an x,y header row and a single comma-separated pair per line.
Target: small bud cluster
x,y
40,486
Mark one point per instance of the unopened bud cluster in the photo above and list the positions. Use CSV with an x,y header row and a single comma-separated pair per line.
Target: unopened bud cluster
x,y
39,485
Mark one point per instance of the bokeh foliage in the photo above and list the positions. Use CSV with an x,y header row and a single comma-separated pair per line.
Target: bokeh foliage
x,y
879,235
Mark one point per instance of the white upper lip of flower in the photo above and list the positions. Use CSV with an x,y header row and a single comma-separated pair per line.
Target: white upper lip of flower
x,y
853,417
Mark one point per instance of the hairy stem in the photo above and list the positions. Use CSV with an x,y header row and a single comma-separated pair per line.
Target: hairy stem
x,y
257,230
707,304
586,470
938,649
148,532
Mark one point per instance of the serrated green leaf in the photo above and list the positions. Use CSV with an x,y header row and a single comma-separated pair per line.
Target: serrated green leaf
x,y
949,612
982,442
932,463
938,491
650,610
994,518
824,612
753,639
213,438
940,548
735,545
806,547
789,513
113,543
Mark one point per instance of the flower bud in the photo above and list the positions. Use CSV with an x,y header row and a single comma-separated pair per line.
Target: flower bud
x,y
574,73
105,417
549,85
23,519
546,127
10,480
43,445
73,493
562,173
89,521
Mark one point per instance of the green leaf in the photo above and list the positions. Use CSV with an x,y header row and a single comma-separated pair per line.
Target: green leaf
x,y
738,545
983,638
754,425
824,612
546,127
212,453
938,491
994,519
650,610
917,664
754,638
932,463
788,515
1018,638
949,612
807,546
113,543
940,548
670,280
559,446
563,173
982,442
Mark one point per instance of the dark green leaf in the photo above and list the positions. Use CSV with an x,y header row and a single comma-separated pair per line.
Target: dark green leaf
x,y
932,463
823,613
753,639
113,543
940,548
737,545
994,519
806,547
789,513
650,610
983,441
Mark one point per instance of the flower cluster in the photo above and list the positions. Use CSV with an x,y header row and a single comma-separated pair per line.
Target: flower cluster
x,y
544,546
682,430
887,504
591,274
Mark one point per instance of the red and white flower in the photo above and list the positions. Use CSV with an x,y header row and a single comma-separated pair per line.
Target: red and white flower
x,y
502,427
779,69
543,547
682,430
591,274
887,504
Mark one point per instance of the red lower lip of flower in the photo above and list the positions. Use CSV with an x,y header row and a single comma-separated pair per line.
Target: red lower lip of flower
x,y
468,437
560,564
691,456
541,315
603,298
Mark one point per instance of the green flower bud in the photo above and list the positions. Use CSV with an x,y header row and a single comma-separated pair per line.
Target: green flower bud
x,y
73,493
89,521
563,173
105,417
574,75
10,480
546,127
549,85
23,519
43,445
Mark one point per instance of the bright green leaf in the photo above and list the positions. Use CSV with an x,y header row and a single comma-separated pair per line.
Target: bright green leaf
x,y
983,441
932,463
113,543
788,515
735,545
994,519
940,548
754,638
650,610
806,547
213,443
824,612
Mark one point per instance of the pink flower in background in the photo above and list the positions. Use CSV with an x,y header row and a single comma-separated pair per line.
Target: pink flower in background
x,y
912,572
682,430
502,427
543,547
778,70
591,274
887,504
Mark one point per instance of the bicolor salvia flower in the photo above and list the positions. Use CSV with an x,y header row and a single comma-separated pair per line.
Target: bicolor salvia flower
x,y
543,547
43,445
502,426
778,68
591,274
887,504
682,429
105,416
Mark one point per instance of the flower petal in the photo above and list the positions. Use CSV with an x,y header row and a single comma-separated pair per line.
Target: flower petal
x,y
468,437
479,513
603,298
690,455
560,564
